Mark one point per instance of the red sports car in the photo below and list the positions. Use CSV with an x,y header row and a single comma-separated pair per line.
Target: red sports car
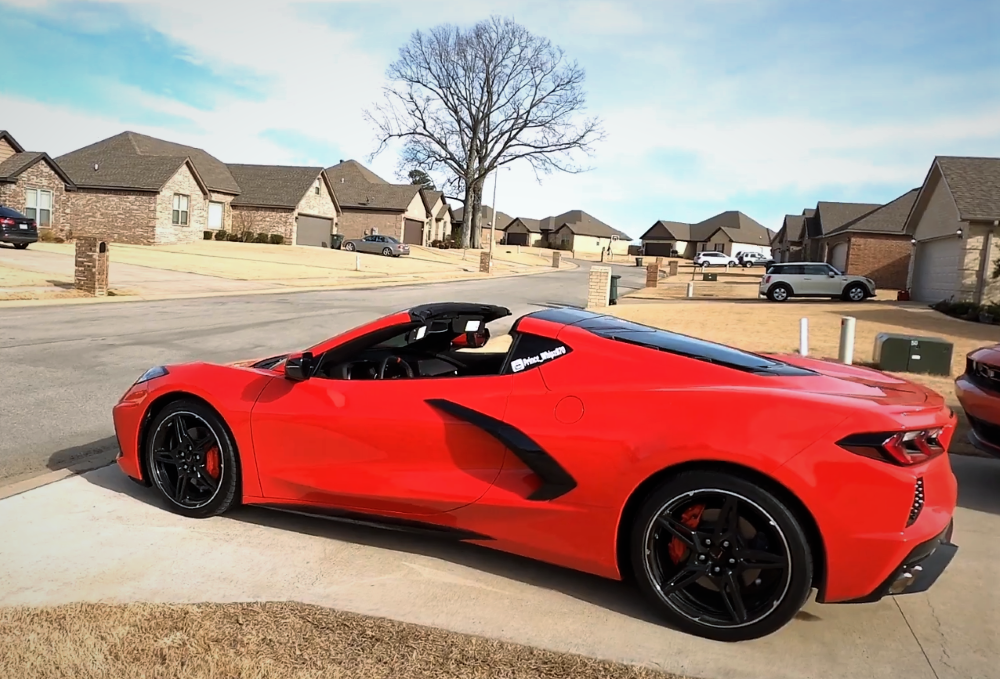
x,y
978,390
589,442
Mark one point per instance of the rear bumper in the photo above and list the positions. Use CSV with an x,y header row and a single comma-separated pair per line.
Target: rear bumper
x,y
15,237
919,570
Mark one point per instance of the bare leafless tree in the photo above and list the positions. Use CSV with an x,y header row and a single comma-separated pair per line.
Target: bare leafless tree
x,y
465,102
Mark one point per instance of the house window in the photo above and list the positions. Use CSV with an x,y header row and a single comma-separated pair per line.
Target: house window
x,y
215,214
315,188
718,247
38,206
179,216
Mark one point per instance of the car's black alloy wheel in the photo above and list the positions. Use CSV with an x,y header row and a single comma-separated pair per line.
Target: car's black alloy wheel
x,y
720,557
191,460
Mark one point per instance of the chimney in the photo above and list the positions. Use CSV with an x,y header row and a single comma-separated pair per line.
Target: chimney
x,y
340,161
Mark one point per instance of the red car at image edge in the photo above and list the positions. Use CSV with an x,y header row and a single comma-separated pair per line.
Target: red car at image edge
x,y
726,485
978,390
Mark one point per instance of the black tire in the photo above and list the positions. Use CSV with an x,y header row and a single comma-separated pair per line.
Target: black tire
x,y
21,246
779,292
349,247
169,457
387,252
745,585
855,292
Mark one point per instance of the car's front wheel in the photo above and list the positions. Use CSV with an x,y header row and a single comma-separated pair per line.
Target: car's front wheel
x,y
191,460
720,557
855,293
349,247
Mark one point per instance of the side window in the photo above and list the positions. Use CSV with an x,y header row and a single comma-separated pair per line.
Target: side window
x,y
531,351
816,270
793,270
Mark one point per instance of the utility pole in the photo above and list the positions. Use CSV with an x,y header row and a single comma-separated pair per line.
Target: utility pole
x,y
493,219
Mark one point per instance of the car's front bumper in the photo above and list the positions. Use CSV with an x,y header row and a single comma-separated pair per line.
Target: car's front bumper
x,y
982,408
919,570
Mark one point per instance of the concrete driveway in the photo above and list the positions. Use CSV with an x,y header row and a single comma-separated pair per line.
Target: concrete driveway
x,y
101,538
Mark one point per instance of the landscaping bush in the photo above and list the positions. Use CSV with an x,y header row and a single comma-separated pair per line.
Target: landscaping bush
x,y
276,239
221,235
980,313
208,235
234,238
46,236
260,238
58,239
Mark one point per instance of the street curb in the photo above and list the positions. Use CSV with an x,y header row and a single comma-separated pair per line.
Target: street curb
x,y
48,478
366,285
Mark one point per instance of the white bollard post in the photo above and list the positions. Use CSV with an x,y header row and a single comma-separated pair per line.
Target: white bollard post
x,y
804,337
690,291
357,262
846,355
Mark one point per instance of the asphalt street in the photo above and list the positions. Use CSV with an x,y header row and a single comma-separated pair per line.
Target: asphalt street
x,y
64,367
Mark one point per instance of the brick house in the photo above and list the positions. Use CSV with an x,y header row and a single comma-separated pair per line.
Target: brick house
x,y
439,214
296,202
132,188
372,205
485,216
524,231
583,234
826,218
954,226
788,242
33,184
875,245
730,232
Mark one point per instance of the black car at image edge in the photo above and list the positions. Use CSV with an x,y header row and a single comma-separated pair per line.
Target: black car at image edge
x,y
16,229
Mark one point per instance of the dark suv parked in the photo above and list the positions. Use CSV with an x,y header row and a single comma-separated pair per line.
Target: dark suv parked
x,y
16,229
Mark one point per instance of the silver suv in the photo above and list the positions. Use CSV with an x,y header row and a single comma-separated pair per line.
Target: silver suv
x,y
813,279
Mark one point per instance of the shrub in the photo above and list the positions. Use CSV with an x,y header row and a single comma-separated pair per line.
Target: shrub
x,y
208,235
46,236
276,239
221,235
234,238
58,239
260,238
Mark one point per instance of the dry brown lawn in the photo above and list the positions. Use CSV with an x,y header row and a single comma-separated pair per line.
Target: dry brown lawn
x,y
16,283
762,326
263,641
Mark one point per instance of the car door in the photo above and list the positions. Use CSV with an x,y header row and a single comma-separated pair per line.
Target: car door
x,y
380,446
814,280
368,244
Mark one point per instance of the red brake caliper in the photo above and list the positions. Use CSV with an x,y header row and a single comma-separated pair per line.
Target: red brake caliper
x,y
691,518
212,462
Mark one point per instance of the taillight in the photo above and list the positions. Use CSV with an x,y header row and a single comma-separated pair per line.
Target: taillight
x,y
905,448
767,279
4,221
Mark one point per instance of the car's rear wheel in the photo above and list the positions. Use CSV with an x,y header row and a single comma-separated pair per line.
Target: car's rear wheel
x,y
387,252
21,246
349,247
779,293
191,460
855,293
721,558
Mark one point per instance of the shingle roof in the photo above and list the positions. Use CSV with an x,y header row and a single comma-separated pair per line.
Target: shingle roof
x,y
531,225
831,216
9,138
132,160
890,218
664,230
485,215
443,211
352,171
11,168
794,227
737,226
279,186
582,224
431,198
974,184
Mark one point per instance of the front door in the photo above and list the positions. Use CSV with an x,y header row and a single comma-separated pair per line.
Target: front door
x,y
378,445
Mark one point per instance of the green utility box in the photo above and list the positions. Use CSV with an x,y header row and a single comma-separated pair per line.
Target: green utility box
x,y
912,354
710,277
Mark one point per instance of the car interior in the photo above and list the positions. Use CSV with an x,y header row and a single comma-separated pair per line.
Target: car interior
x,y
439,348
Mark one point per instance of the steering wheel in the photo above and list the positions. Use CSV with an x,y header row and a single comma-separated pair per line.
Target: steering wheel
x,y
395,361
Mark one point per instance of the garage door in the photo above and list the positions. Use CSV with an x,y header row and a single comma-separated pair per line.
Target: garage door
x,y
413,232
517,239
658,249
935,270
838,257
313,231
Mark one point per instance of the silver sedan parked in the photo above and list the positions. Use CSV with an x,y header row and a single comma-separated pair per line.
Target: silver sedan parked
x,y
379,245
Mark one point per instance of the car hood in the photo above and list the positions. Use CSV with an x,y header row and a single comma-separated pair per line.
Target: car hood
x,y
837,379
988,355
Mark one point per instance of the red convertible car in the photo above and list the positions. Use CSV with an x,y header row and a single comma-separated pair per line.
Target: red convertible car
x,y
589,442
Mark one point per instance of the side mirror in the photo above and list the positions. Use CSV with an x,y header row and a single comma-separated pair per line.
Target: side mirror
x,y
472,340
299,368
831,274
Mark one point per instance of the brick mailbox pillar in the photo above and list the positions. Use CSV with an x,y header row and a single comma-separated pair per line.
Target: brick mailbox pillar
x,y
599,287
652,276
673,268
659,262
484,262
91,266
556,256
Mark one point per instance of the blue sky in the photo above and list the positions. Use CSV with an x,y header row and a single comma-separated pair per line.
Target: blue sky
x,y
754,105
